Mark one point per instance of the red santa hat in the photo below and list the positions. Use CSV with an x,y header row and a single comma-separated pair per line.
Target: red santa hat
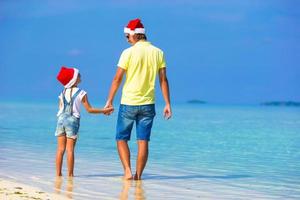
x,y
67,76
134,26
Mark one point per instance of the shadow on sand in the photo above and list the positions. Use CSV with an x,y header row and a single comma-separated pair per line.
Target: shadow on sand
x,y
98,175
169,177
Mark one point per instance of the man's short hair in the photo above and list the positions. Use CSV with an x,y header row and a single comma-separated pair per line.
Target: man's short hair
x,y
141,36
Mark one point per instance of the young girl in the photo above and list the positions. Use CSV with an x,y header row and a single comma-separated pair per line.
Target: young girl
x,y
68,115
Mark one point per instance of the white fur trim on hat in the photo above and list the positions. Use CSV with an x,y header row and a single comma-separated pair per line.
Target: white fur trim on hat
x,y
140,30
73,80
135,31
128,31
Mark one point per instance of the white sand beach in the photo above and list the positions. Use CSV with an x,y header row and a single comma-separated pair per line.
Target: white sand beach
x,y
14,190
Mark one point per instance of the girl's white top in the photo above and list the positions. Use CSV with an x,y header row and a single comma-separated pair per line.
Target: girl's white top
x,y
76,103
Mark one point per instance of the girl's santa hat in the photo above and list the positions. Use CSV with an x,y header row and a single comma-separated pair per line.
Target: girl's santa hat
x,y
134,26
67,76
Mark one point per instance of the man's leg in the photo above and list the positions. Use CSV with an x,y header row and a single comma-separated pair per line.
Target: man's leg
x,y
125,122
144,124
124,154
142,158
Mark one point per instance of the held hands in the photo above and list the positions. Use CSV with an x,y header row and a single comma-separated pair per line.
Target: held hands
x,y
108,111
167,112
109,108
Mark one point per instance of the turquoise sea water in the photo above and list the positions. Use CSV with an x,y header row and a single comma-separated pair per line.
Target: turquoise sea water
x,y
203,152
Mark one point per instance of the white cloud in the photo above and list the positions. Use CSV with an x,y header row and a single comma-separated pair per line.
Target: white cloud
x,y
74,52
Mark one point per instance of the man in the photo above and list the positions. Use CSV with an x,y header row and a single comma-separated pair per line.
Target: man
x,y
141,63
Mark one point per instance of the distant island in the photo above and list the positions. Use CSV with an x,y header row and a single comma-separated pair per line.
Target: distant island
x,y
196,101
281,103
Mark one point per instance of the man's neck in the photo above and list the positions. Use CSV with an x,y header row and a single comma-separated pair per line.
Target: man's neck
x,y
142,40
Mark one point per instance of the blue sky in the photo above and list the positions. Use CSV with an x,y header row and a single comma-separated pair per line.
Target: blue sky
x,y
219,51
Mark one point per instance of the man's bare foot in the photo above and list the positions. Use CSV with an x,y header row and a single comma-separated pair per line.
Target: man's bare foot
x,y
127,175
137,178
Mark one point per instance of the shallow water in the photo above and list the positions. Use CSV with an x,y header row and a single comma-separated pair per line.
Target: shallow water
x,y
203,152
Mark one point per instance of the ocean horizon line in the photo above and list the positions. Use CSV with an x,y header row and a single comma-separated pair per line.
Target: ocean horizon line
x,y
158,103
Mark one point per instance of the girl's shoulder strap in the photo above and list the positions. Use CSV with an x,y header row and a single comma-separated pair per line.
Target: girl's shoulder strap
x,y
63,95
76,94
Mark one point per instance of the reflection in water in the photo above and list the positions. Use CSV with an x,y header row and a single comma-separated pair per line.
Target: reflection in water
x,y
57,184
69,186
125,189
139,192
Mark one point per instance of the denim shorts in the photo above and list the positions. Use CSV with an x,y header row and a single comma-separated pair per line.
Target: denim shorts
x,y
67,125
142,115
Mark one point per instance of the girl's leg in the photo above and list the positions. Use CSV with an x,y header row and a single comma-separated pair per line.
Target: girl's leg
x,y
61,146
70,155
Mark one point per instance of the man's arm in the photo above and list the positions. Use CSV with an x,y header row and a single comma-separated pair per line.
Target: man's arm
x,y
164,85
114,87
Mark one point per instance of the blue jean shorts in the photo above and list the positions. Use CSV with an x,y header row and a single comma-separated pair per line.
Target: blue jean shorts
x,y
67,125
142,115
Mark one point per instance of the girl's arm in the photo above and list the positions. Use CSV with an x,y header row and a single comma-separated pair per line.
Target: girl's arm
x,y
90,109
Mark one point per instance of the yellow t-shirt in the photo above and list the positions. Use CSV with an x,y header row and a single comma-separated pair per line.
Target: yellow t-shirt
x,y
142,62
